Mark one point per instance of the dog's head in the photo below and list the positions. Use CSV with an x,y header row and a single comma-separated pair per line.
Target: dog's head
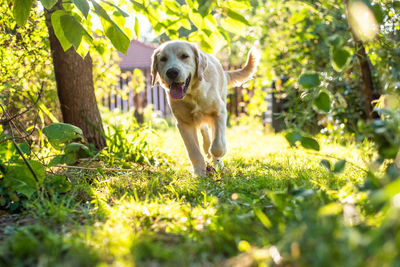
x,y
177,65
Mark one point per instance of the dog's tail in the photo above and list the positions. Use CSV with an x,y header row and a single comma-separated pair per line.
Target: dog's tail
x,y
238,77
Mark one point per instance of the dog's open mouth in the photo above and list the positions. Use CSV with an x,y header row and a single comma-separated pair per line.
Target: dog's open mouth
x,y
178,90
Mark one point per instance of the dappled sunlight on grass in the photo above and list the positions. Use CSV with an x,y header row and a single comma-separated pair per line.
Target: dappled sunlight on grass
x,y
130,223
268,196
167,215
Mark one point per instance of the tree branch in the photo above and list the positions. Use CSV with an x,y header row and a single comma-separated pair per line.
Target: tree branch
x,y
17,147
91,168
7,120
366,73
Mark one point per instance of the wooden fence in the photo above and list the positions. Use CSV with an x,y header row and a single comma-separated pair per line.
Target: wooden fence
x,y
156,96
127,99
237,103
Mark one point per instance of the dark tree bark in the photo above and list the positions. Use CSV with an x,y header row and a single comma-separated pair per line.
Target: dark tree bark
x,y
367,87
75,88
366,76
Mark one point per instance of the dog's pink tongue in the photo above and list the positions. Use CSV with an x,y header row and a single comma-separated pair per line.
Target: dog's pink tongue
x,y
176,90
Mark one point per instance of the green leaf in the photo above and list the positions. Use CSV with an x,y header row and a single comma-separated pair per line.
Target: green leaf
x,y
48,4
117,37
238,5
279,199
59,133
340,57
59,183
190,3
77,149
137,30
226,36
25,148
309,143
334,40
7,150
172,6
210,22
73,30
233,26
58,29
197,20
205,7
123,13
83,6
207,32
322,103
263,218
62,159
21,11
309,80
293,137
326,164
206,45
138,6
84,46
99,10
236,16
330,209
339,166
185,23
378,13
19,178
396,5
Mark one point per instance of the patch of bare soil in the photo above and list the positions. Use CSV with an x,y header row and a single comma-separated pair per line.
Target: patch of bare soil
x,y
9,221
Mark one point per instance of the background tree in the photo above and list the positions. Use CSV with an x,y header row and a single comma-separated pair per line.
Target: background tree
x,y
75,86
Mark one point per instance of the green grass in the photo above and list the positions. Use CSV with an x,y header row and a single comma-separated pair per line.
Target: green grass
x,y
271,205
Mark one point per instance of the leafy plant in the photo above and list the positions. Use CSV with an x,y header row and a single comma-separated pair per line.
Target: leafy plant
x,y
24,178
322,102
60,136
131,144
60,133
337,168
309,80
307,142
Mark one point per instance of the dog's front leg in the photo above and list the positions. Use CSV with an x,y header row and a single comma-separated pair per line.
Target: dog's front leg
x,y
218,147
189,135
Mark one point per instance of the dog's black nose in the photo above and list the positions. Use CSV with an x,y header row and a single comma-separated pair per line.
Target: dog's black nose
x,y
172,73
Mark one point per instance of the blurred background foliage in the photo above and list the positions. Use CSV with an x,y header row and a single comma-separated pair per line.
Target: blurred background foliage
x,y
25,65
301,36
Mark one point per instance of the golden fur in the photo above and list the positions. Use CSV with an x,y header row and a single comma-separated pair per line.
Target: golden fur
x,y
202,101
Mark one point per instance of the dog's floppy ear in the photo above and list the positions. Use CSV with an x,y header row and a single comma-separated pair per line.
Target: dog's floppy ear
x,y
201,62
154,68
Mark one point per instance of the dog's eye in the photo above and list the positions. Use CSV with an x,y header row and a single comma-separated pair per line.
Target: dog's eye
x,y
184,56
163,59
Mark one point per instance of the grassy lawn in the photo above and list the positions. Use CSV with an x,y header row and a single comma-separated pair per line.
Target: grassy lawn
x,y
272,204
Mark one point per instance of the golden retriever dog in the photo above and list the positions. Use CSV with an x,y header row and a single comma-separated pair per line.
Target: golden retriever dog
x,y
197,87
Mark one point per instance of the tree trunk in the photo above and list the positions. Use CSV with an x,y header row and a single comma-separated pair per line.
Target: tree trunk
x,y
75,89
366,74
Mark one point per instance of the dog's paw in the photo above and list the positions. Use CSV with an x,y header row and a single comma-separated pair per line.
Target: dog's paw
x,y
200,172
210,170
